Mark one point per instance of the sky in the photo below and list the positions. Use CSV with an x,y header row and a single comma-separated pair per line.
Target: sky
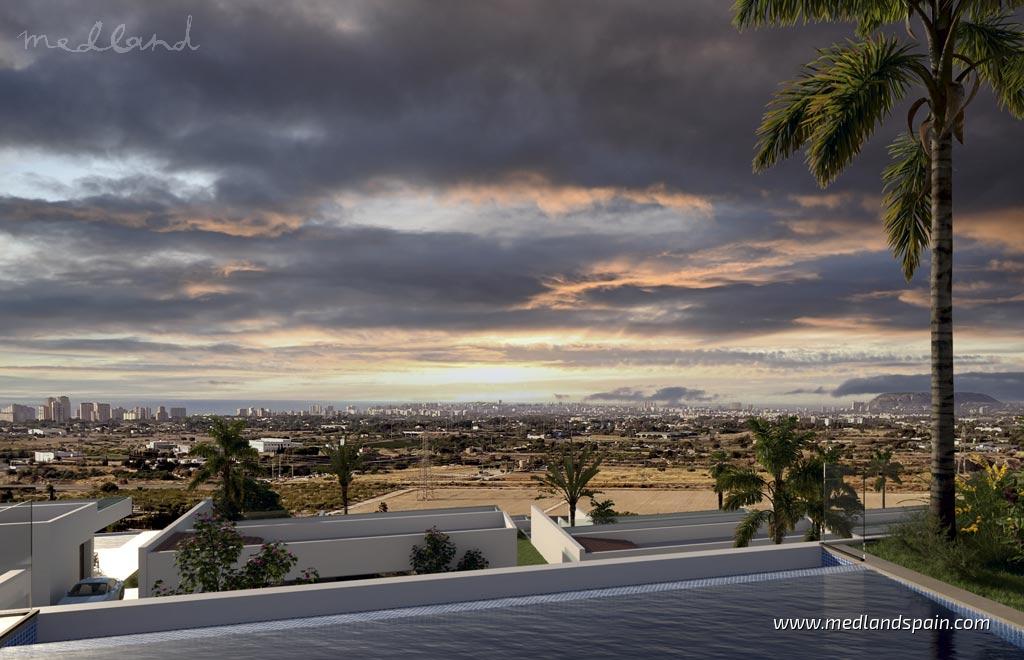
x,y
444,200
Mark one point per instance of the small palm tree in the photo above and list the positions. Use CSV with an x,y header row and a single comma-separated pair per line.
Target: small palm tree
x,y
345,462
778,450
885,469
719,466
229,458
832,503
569,472
834,105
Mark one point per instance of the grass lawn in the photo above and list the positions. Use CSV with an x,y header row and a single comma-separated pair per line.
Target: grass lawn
x,y
1001,585
527,555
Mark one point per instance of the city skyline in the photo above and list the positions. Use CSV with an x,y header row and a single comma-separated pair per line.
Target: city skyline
x,y
533,202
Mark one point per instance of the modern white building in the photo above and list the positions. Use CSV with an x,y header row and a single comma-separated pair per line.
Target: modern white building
x,y
46,547
271,445
345,546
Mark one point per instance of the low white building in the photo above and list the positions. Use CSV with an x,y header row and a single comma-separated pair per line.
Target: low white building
x,y
46,547
55,455
271,445
345,546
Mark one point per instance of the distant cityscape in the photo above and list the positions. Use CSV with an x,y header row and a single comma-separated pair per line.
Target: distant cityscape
x,y
60,410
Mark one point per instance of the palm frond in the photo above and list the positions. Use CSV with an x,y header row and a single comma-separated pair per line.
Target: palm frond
x,y
747,528
763,13
862,82
908,202
743,487
995,42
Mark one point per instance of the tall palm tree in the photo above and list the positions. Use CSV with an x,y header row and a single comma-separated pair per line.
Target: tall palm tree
x,y
836,102
884,470
569,472
719,465
345,462
778,450
229,458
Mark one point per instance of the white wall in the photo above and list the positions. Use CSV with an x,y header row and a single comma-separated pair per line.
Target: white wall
x,y
14,589
552,541
58,529
343,546
151,563
176,612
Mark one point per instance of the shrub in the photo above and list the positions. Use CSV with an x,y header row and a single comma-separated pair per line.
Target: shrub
x,y
990,510
206,561
473,560
603,512
435,555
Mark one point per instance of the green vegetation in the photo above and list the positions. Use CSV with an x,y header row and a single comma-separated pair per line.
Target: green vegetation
x,y
526,554
987,556
206,561
437,553
309,497
602,512
345,462
885,470
791,485
230,459
834,105
568,473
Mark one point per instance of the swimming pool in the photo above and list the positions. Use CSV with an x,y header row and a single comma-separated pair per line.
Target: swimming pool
x,y
712,618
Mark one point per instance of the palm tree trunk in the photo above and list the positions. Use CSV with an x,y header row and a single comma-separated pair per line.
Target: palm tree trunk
x,y
344,497
572,513
942,466
883,494
719,500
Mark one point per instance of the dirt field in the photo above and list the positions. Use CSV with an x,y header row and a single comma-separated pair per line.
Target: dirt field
x,y
517,501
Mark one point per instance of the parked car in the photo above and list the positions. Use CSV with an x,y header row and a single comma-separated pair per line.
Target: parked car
x,y
94,590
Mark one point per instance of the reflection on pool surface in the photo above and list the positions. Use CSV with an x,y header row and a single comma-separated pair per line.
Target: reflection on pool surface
x,y
711,621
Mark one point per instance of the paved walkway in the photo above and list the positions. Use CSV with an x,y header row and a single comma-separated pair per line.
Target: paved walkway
x,y
119,553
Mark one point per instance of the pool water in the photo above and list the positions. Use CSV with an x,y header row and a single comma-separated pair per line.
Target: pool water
x,y
701,619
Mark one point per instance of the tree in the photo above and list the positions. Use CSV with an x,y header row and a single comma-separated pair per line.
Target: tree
x,y
719,465
834,105
884,469
345,461
206,561
778,449
569,472
832,503
229,458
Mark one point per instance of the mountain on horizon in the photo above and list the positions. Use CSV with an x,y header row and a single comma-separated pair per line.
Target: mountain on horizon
x,y
913,401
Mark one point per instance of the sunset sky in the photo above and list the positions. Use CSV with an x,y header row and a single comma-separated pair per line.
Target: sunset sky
x,y
434,199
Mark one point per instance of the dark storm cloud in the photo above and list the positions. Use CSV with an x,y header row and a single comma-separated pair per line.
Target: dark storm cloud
x,y
663,395
284,101
1005,386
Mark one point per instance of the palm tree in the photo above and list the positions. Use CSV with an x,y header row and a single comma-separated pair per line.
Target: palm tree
x,y
345,462
778,449
836,102
885,469
569,472
229,458
719,465
832,503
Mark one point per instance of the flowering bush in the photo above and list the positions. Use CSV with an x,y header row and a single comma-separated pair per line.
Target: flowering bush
x,y
206,562
990,509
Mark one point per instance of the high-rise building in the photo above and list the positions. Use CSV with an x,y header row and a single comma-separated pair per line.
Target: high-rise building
x,y
161,414
17,413
102,411
86,411
178,413
65,409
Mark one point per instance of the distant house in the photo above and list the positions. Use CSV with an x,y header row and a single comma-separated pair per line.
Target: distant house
x,y
271,445
56,455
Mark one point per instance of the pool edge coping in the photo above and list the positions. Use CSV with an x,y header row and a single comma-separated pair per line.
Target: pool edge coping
x,y
937,590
